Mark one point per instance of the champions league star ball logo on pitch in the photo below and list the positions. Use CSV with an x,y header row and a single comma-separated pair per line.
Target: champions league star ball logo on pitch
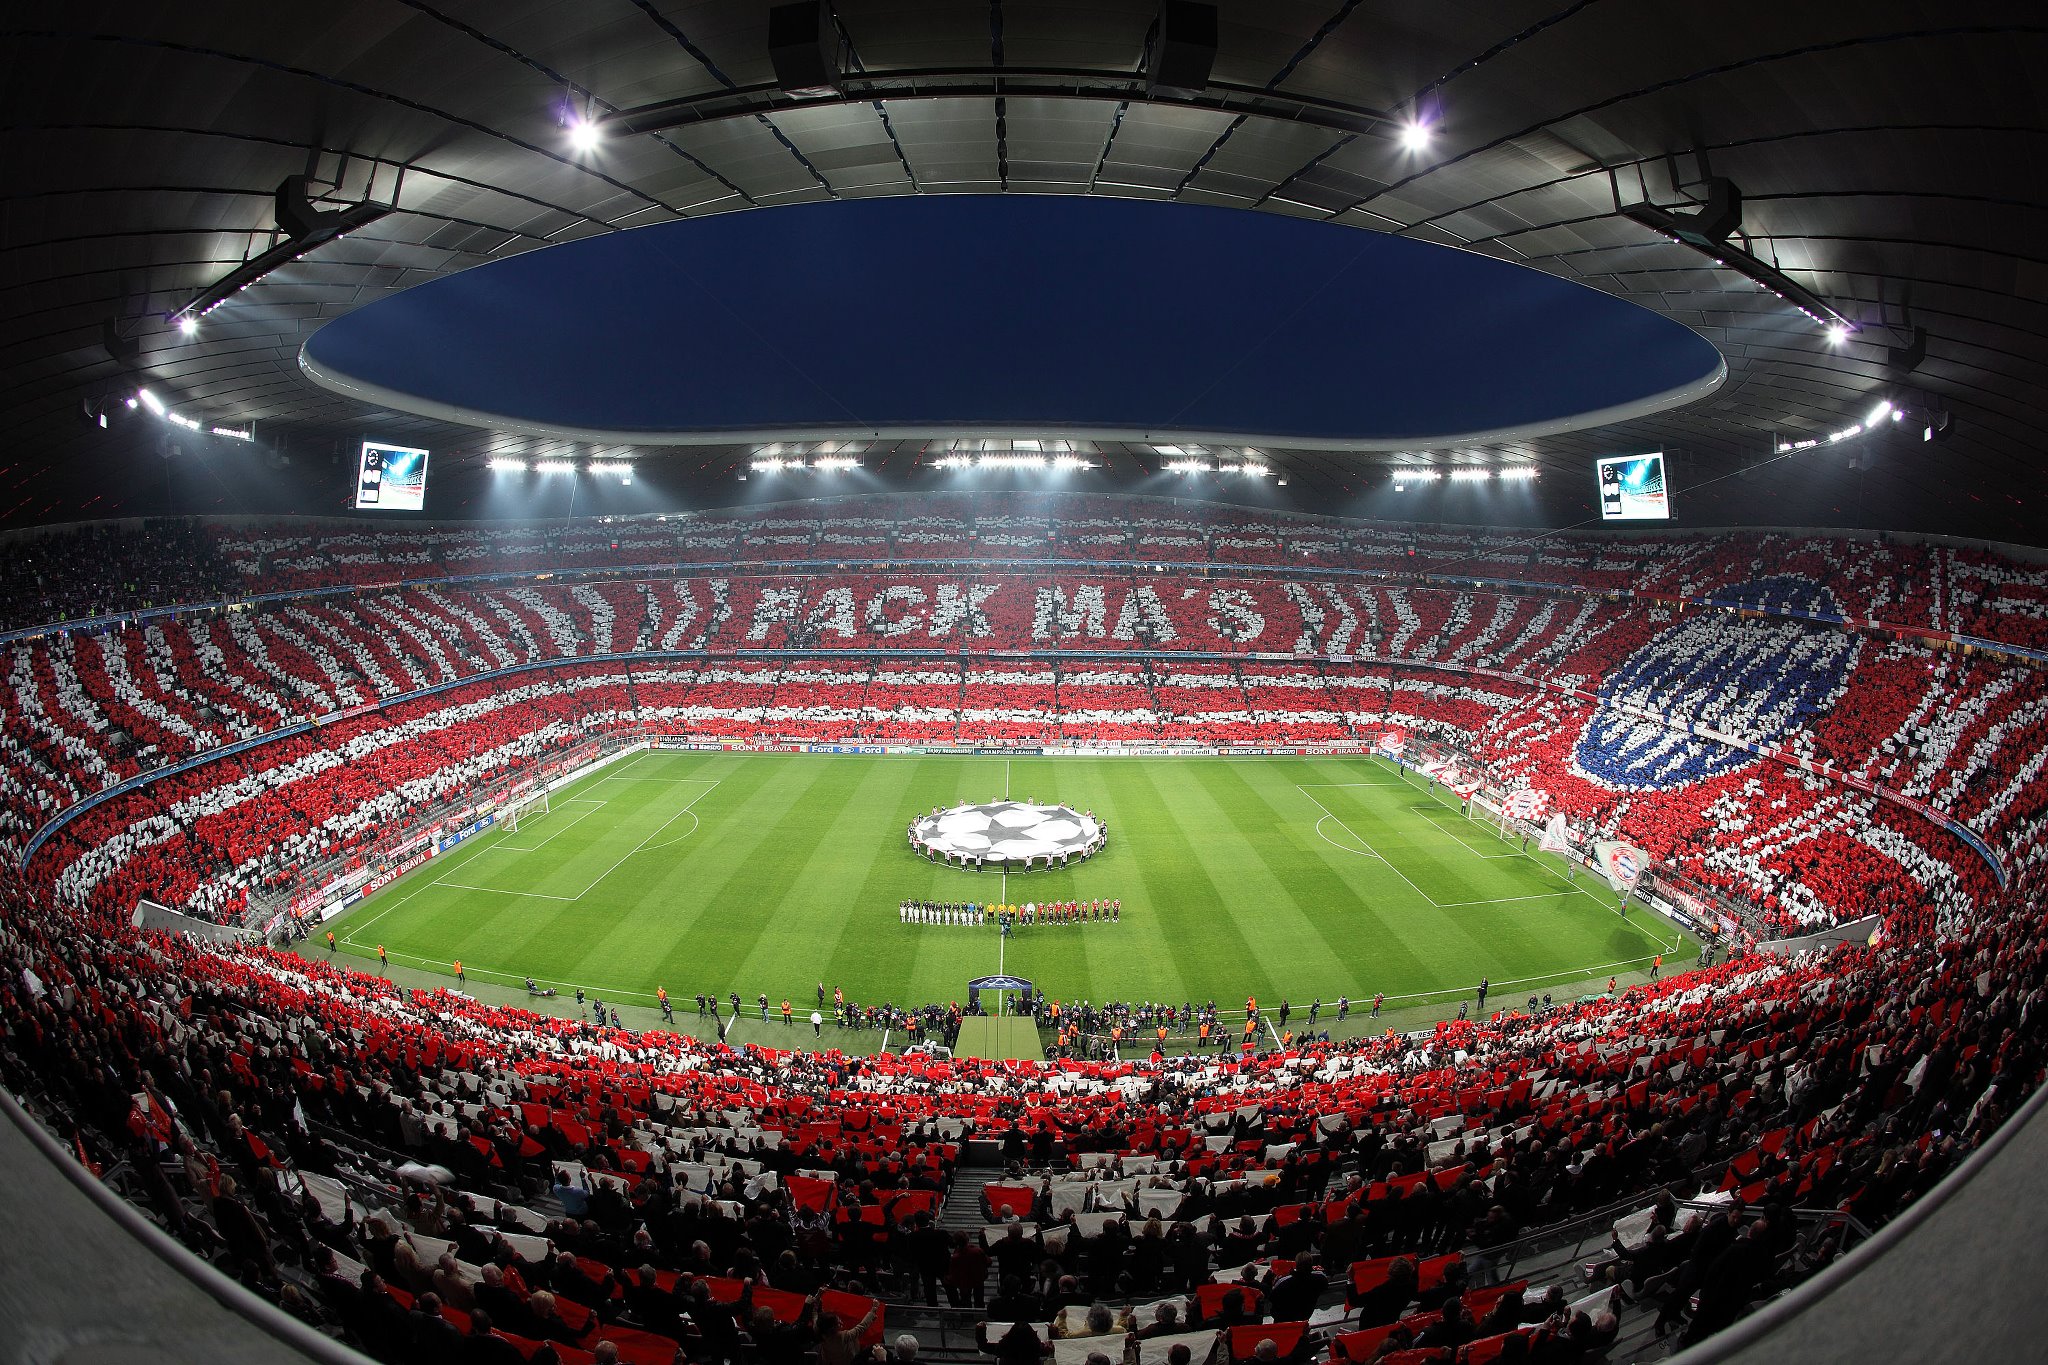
x,y
1012,835
1757,678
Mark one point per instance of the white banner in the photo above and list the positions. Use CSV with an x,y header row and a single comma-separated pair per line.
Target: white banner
x,y
1623,864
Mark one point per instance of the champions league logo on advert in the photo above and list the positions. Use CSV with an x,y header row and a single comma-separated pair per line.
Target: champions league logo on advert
x,y
1754,677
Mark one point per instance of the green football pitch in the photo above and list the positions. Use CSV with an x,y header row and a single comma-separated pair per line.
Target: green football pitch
x,y
1278,877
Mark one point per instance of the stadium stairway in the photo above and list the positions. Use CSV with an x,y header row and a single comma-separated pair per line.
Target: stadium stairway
x,y
962,1210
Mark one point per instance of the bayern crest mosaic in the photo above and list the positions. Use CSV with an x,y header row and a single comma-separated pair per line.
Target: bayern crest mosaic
x,y
1008,835
1757,677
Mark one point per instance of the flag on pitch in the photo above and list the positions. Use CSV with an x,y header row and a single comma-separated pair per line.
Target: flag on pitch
x,y
1527,803
1556,838
1623,864
1394,743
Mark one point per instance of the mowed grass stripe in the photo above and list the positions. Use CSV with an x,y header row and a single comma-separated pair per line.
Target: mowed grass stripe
x,y
793,867
1172,887
1244,845
745,874
1339,897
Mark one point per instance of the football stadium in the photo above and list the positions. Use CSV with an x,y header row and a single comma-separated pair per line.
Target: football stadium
x,y
733,682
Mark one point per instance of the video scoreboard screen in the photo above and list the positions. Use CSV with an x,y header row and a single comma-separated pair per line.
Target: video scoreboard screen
x,y
391,478
1632,488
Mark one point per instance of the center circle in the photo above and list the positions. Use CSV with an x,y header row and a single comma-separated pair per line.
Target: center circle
x,y
1007,836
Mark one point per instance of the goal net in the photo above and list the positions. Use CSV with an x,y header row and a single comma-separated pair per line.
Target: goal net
x,y
528,807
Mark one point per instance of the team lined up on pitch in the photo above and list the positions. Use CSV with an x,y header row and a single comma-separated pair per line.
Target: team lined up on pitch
x,y
977,914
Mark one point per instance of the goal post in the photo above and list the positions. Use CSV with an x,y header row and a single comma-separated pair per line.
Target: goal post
x,y
525,807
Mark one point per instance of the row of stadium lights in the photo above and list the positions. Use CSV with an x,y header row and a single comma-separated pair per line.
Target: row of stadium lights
x,y
1012,460
1015,459
585,135
145,399
1520,473
1883,412
507,464
790,464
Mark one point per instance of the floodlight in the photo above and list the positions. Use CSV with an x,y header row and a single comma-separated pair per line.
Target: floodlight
x,y
505,464
151,401
1415,136
188,324
584,136
1837,334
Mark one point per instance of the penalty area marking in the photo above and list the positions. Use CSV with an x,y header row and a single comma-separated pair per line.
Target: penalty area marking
x,y
643,846
695,824
1434,810
1368,851
667,781
1315,786
1329,814
514,978
448,864
597,802
1569,974
1361,852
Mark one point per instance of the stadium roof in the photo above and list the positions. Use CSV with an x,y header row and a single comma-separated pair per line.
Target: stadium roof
x,y
1878,149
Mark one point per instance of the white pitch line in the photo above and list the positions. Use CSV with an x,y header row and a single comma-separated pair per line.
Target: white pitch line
x,y
695,825
501,891
478,847
447,866
581,816
1567,974
1321,785
1359,852
685,810
1368,843
1441,905
1507,900
545,896
516,978
668,781
1434,810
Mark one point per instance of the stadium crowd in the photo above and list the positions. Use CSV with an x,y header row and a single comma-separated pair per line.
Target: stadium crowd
x,y
97,568
1629,722
423,1175
403,1168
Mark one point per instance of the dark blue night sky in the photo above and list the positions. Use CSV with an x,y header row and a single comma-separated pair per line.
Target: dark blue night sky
x,y
1015,311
